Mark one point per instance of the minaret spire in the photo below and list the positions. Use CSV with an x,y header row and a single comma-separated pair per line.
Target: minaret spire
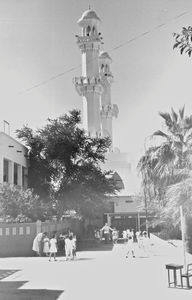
x,y
88,85
95,83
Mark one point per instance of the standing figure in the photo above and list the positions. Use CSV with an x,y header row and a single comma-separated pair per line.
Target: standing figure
x,y
37,243
69,247
53,247
114,236
106,232
46,245
125,236
146,244
130,247
74,245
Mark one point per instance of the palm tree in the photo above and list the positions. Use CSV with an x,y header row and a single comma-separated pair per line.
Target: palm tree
x,y
183,41
169,164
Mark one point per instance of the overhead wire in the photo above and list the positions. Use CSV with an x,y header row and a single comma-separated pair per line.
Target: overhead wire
x,y
123,44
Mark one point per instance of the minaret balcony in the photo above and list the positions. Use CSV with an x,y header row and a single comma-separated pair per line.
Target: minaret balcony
x,y
89,43
88,39
106,78
85,85
109,111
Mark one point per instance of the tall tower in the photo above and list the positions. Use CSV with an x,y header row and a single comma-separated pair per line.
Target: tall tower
x,y
108,110
88,85
95,83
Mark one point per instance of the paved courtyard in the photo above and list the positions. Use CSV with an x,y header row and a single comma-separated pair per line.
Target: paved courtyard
x,y
93,275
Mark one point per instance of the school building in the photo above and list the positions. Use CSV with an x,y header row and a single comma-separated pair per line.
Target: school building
x,y
13,161
127,212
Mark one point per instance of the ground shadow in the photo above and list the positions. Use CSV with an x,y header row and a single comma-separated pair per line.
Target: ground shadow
x,y
9,290
76,259
5,273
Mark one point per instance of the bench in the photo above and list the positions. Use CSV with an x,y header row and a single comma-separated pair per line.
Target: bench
x,y
187,275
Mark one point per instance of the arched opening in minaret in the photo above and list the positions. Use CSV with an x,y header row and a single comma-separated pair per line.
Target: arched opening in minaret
x,y
88,30
102,67
93,30
106,69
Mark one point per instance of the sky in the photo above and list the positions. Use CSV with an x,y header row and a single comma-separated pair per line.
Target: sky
x,y
39,58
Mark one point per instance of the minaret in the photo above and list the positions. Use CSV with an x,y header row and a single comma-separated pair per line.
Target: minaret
x,y
108,111
88,85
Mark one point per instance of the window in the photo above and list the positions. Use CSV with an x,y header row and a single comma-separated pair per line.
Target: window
x,y
24,177
5,170
6,231
27,230
14,231
15,173
21,230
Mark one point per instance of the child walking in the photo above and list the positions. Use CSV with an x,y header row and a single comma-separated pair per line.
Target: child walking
x,y
53,247
46,245
130,247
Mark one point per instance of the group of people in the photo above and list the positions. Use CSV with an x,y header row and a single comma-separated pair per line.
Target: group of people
x,y
65,243
108,234
136,240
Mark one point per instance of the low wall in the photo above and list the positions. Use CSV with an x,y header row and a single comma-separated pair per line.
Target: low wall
x,y
17,239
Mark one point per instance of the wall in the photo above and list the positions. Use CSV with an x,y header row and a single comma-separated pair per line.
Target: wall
x,y
14,152
126,204
17,239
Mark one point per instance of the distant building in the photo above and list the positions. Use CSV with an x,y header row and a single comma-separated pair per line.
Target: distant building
x,y
126,213
13,161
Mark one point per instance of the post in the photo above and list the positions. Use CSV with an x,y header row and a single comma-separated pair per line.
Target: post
x,y
146,212
139,224
38,226
183,236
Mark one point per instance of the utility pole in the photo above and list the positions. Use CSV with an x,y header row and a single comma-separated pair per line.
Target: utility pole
x,y
183,225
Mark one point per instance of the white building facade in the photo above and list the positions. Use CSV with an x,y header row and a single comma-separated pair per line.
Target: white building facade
x,y
13,161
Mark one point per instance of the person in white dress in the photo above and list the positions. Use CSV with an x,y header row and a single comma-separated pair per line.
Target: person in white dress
x,y
53,247
46,245
69,247
37,243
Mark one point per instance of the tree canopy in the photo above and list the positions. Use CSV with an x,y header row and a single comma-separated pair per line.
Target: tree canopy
x,y
65,165
183,40
18,205
166,167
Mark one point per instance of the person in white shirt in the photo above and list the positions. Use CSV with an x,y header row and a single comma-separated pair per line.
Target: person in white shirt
x,y
130,247
106,232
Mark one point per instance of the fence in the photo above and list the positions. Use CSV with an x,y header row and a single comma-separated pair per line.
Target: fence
x,y
17,239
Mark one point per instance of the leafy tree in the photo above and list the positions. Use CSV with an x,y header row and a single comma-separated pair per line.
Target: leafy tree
x,y
183,41
18,205
65,165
